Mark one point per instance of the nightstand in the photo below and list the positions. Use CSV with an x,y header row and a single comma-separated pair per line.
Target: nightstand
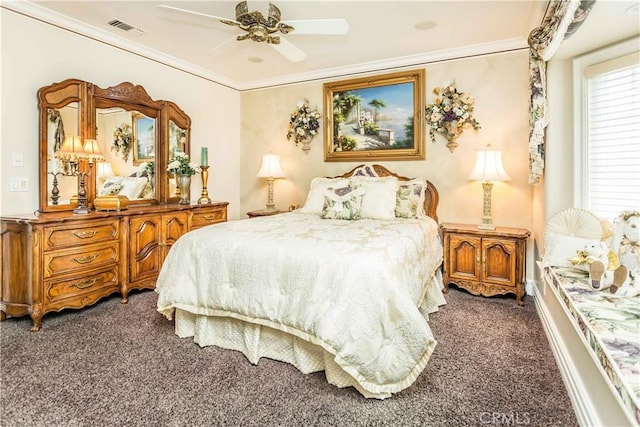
x,y
485,262
262,212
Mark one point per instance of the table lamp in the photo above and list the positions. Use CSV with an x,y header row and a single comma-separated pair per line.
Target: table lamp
x,y
69,153
92,151
270,169
104,171
488,169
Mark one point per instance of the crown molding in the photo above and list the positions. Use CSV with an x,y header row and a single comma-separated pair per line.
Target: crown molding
x,y
502,46
67,23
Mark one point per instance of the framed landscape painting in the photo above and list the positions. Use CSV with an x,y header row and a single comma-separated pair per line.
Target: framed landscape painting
x,y
144,135
379,117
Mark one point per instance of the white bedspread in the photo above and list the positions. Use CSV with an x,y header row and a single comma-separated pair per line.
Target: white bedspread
x,y
351,287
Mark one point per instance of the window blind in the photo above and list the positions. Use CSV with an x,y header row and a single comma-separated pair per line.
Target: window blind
x,y
613,136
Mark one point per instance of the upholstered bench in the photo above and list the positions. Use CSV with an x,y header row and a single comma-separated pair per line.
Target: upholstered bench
x,y
610,328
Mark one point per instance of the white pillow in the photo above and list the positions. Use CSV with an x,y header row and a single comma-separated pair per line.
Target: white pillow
x,y
559,248
132,187
379,201
315,198
410,198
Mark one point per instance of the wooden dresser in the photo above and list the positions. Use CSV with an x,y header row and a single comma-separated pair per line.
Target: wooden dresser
x,y
54,261
485,262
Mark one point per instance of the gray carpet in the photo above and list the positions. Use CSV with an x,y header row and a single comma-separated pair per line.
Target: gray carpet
x,y
117,365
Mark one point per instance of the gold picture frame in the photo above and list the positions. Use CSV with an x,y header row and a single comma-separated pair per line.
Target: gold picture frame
x,y
377,117
144,138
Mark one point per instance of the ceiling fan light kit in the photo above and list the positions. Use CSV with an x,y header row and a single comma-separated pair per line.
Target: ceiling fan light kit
x,y
261,29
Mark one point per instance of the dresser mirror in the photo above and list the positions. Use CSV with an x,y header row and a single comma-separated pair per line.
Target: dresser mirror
x,y
112,137
179,127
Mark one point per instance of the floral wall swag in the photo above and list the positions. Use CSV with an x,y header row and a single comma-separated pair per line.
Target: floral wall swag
x,y
122,140
450,114
303,125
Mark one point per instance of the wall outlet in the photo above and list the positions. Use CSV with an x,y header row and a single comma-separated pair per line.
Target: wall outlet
x,y
18,183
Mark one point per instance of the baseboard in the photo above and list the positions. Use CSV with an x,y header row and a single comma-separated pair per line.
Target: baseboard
x,y
575,387
529,287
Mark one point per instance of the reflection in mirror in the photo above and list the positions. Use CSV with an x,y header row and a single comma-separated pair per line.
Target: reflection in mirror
x,y
177,142
62,125
127,139
177,138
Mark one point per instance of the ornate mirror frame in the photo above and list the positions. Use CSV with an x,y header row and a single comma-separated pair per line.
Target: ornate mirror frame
x,y
89,99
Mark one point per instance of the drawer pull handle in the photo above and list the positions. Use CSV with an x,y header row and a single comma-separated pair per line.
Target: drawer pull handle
x,y
86,284
86,259
85,234
209,217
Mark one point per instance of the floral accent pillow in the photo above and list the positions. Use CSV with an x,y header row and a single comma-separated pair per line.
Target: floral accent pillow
x,y
365,170
343,203
410,198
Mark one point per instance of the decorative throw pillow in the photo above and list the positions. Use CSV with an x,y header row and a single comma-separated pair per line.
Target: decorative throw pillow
x,y
343,203
560,248
147,191
379,200
410,198
365,170
315,198
111,186
132,187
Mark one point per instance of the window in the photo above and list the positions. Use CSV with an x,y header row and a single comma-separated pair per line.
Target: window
x,y
608,140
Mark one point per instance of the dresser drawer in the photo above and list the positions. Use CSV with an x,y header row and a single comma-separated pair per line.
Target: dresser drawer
x,y
208,217
91,285
83,258
65,236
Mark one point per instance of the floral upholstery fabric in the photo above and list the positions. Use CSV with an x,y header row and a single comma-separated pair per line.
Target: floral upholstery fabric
x,y
611,327
410,198
343,203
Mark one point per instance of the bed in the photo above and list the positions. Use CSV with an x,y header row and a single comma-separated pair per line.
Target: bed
x,y
344,284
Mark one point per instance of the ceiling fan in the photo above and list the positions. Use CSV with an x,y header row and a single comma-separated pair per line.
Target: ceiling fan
x,y
268,29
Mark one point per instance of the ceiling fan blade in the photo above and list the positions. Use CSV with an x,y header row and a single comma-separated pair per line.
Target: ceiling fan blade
x,y
318,26
191,12
224,47
287,49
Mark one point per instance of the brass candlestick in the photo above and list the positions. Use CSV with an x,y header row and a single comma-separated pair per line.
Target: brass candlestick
x,y
55,191
204,196
82,193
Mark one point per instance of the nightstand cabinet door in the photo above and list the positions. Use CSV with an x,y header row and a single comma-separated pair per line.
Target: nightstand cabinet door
x,y
464,257
499,261
485,262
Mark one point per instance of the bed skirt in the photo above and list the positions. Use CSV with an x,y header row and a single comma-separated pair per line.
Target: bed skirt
x,y
256,341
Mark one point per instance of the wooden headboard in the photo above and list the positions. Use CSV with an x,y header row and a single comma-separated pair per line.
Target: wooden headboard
x,y
431,197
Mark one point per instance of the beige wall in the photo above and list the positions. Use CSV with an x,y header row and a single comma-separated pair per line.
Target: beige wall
x,y
499,84
35,54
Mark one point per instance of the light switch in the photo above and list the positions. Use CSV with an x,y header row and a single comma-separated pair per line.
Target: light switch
x,y
17,159
18,183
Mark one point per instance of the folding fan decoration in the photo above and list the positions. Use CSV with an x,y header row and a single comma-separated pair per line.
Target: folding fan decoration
x,y
268,29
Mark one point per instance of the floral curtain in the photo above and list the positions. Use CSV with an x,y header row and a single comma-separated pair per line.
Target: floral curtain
x,y
562,19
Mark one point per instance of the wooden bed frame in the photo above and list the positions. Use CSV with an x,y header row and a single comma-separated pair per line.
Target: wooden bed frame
x,y
431,197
